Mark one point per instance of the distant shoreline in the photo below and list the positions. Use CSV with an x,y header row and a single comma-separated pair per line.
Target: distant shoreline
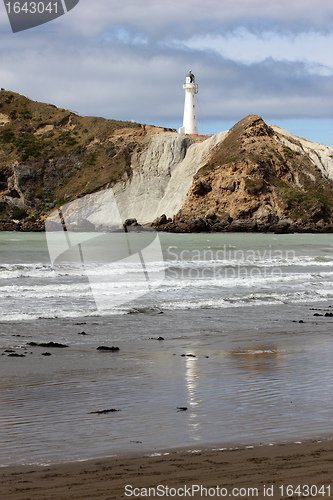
x,y
243,226
255,470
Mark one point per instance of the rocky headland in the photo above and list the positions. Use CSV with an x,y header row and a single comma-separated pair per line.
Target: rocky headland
x,y
254,177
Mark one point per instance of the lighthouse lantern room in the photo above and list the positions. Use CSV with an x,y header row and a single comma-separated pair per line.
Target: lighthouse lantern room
x,y
190,118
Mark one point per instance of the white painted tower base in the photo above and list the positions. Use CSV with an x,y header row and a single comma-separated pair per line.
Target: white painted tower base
x,y
190,118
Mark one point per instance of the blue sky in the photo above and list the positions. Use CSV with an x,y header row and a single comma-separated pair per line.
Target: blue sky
x,y
127,60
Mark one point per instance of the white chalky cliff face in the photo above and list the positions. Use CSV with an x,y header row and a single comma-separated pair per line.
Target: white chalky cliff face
x,y
162,175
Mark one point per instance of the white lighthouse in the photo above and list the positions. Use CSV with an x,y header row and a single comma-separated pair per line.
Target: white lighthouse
x,y
190,117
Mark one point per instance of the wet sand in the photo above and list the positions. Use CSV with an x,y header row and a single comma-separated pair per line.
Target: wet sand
x,y
263,469
266,383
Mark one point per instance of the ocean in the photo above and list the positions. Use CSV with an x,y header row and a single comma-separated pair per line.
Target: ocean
x,y
246,322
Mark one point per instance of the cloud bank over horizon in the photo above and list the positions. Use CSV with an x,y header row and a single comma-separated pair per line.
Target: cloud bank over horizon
x,y
128,61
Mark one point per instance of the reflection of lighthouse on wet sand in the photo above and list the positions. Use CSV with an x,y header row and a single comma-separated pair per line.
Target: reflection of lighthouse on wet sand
x,y
190,118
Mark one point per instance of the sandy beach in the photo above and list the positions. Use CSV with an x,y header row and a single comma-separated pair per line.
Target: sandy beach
x,y
259,472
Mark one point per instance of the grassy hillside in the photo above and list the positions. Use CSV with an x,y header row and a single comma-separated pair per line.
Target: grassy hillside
x,y
50,155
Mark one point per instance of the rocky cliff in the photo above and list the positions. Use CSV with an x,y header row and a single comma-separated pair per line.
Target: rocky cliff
x,y
260,177
253,177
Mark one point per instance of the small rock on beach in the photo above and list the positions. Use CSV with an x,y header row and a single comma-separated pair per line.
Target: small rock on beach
x,y
111,410
106,348
46,344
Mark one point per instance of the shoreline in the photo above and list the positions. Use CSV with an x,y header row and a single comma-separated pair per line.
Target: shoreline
x,y
236,229
194,225
259,471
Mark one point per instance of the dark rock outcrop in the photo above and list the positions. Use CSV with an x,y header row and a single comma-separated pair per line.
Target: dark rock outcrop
x,y
107,349
47,344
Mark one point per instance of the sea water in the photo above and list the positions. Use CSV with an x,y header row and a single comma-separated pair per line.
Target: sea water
x,y
247,349
199,271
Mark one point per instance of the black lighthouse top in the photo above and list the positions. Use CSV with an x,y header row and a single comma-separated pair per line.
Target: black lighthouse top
x,y
190,76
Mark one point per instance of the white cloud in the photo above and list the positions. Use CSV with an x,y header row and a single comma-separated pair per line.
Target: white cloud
x,y
118,81
160,18
312,48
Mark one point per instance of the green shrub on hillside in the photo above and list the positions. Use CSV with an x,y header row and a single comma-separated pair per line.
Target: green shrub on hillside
x,y
92,159
18,213
25,114
254,186
66,139
6,136
28,145
9,99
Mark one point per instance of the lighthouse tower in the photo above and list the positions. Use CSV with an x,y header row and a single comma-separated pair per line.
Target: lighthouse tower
x,y
190,118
